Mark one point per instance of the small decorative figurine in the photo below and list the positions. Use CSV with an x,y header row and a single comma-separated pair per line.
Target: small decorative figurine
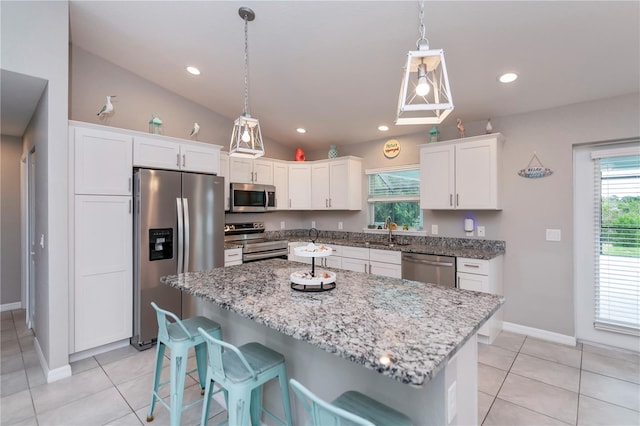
x,y
300,154
460,127
489,127
194,131
333,151
107,108
434,132
155,124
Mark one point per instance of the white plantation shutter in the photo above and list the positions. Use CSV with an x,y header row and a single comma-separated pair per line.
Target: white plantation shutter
x,y
617,240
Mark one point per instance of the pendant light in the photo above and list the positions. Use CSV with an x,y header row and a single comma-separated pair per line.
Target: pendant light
x,y
425,95
246,139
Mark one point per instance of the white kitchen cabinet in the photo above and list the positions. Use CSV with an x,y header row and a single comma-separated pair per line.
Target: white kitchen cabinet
x,y
355,259
103,270
281,182
485,276
224,172
299,185
387,263
249,170
462,174
336,184
233,257
102,161
173,154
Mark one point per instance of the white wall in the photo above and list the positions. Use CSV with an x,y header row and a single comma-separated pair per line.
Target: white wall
x,y
93,78
35,40
10,254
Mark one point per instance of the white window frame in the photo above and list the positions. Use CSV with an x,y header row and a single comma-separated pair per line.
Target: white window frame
x,y
583,243
371,200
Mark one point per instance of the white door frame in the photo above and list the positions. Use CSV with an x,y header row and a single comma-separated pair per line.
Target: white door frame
x,y
583,257
27,202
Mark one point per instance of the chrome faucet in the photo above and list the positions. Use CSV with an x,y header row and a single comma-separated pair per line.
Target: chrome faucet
x,y
387,223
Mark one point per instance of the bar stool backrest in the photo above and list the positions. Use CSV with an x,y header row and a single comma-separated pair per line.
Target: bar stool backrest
x,y
215,350
163,322
323,413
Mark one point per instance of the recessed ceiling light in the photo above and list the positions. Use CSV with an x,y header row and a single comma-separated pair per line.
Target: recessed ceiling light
x,y
193,70
301,130
383,128
508,77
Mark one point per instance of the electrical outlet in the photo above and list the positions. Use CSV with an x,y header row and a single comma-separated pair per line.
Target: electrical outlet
x,y
469,233
339,225
313,223
553,235
452,409
434,229
282,224
480,231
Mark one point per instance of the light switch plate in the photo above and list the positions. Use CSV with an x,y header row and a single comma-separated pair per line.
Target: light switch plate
x,y
313,223
282,224
554,235
480,230
434,229
340,225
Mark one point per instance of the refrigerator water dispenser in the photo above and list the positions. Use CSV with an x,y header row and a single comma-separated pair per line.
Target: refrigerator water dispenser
x,y
160,244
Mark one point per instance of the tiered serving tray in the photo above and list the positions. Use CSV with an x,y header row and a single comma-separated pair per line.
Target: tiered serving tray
x,y
313,281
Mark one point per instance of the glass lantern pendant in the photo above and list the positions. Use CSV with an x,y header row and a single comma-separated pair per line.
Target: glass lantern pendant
x,y
425,95
246,138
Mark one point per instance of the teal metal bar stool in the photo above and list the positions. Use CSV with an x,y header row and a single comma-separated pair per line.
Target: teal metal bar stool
x,y
179,336
241,372
349,408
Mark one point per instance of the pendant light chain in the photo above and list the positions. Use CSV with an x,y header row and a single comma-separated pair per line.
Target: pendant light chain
x,y
423,43
246,67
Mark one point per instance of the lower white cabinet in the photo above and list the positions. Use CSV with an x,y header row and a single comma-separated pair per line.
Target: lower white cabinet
x,y
485,276
292,254
103,270
233,257
387,263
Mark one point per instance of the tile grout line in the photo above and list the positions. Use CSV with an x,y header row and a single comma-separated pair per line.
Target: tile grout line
x,y
33,404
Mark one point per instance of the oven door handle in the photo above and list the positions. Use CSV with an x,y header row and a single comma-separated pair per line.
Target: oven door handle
x,y
264,255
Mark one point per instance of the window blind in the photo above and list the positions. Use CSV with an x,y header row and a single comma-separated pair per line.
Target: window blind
x,y
394,185
617,241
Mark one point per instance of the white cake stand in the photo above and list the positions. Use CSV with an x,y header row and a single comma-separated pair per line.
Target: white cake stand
x,y
313,281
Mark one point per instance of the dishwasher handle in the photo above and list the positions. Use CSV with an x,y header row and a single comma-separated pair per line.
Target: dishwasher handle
x,y
426,262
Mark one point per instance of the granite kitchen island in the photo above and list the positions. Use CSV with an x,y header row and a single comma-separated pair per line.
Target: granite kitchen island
x,y
408,344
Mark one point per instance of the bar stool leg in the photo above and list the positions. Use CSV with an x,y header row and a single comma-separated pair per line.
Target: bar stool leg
x,y
208,393
284,392
178,372
201,360
256,406
238,408
156,380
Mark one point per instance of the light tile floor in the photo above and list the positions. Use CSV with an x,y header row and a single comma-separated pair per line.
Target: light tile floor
x,y
521,381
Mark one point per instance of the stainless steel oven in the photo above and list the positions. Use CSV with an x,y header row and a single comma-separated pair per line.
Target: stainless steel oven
x,y
254,244
249,197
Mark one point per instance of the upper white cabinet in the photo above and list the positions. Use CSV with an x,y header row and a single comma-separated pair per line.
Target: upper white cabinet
x,y
336,184
299,185
248,170
462,174
102,161
224,172
165,153
281,182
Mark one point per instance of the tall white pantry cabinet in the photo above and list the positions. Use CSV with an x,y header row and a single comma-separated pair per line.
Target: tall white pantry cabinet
x,y
102,297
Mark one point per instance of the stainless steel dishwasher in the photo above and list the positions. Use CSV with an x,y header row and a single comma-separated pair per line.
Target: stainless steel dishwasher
x,y
428,268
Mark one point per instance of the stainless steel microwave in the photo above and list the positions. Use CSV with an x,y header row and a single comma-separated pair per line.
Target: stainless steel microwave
x,y
249,197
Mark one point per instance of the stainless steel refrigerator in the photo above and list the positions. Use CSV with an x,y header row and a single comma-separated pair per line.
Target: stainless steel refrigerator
x,y
178,227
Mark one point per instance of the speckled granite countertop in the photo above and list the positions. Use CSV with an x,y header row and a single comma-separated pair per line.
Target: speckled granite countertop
x,y
419,326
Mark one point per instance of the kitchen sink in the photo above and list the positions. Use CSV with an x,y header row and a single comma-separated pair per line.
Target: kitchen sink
x,y
384,244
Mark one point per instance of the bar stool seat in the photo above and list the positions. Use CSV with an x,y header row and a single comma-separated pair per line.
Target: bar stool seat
x,y
350,408
241,372
179,337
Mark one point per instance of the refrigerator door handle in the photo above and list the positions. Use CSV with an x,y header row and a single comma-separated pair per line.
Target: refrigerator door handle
x,y
185,202
180,234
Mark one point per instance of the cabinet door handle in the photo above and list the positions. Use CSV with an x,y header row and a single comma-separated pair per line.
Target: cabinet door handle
x,y
450,199
233,254
471,265
184,160
457,200
329,202
129,185
458,283
178,160
289,202
129,206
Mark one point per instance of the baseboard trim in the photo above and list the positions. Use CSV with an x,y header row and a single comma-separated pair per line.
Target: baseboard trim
x,y
96,351
10,306
56,373
539,333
